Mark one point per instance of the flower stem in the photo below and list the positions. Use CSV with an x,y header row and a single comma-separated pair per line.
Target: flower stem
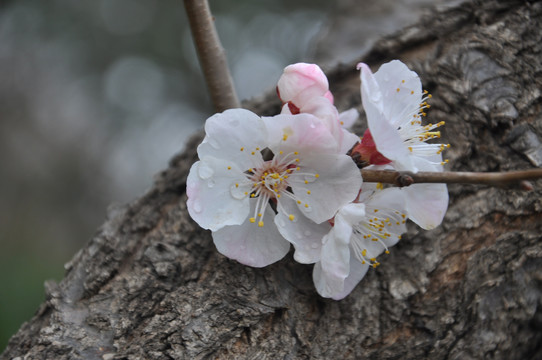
x,y
499,179
211,54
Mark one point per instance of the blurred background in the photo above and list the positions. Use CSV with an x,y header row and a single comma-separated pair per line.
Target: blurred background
x,y
96,96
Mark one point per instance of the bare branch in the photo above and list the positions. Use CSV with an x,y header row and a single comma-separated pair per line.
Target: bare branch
x,y
499,179
211,54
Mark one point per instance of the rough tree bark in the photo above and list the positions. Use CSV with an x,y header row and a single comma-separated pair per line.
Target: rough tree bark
x,y
151,285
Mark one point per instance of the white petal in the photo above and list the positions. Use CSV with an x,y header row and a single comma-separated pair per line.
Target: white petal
x,y
426,204
348,118
338,184
285,110
250,244
356,273
323,109
390,198
303,233
230,131
334,267
427,163
349,140
304,133
213,199
352,213
399,106
385,135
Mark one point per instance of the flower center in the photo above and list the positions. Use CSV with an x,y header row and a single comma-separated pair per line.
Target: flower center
x,y
380,226
270,180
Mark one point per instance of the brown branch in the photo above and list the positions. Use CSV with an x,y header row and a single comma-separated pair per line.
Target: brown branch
x,y
499,179
211,54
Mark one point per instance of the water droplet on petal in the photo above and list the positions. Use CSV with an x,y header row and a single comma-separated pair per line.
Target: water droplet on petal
x,y
197,206
205,171
211,183
312,125
237,191
307,233
315,246
299,235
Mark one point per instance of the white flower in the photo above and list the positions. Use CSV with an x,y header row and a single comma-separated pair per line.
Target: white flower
x,y
361,232
233,189
394,103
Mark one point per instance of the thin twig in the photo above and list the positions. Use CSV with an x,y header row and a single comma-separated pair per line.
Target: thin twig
x,y
211,54
499,179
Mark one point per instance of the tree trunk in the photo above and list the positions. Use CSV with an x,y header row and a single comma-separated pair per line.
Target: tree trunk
x,y
151,285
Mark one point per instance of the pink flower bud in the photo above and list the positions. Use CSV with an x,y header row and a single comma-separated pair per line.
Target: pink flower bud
x,y
301,82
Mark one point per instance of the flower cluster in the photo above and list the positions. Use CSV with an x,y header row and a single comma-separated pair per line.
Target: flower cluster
x,y
263,184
